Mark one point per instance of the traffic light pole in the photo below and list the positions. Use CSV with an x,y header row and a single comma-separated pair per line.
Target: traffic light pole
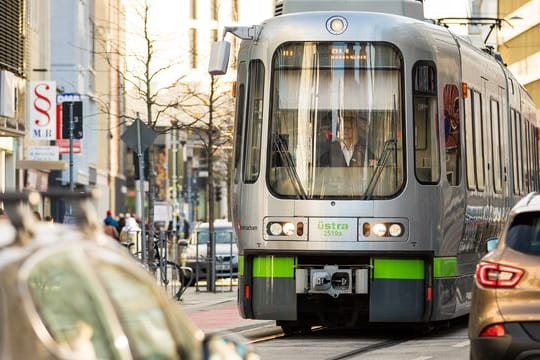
x,y
71,181
140,155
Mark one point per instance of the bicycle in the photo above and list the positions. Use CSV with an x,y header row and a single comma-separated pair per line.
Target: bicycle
x,y
180,278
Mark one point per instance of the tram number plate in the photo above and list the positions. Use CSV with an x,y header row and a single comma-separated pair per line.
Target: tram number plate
x,y
333,229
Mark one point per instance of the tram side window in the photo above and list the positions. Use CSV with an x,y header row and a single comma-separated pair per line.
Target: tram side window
x,y
478,131
525,151
513,149
252,150
426,141
238,130
496,146
469,143
516,152
532,156
452,133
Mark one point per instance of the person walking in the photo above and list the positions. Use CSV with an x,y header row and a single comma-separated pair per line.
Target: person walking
x,y
110,229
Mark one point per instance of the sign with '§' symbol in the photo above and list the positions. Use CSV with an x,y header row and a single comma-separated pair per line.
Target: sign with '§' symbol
x,y
42,110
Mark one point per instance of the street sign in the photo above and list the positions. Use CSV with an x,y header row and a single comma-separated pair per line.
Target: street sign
x,y
43,153
63,146
147,135
41,110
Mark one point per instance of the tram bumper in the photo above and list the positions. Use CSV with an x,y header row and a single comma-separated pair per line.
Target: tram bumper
x,y
376,290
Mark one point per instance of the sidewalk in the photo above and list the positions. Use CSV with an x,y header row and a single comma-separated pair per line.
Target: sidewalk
x,y
217,312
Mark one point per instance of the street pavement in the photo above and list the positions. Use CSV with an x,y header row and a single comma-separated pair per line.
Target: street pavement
x,y
217,311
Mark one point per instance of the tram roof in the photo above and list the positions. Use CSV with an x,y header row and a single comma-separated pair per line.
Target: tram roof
x,y
408,8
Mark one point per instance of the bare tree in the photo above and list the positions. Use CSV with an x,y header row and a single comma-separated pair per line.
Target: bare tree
x,y
151,83
212,111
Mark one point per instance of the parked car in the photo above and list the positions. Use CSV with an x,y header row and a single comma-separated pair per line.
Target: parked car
x,y
195,253
504,322
72,292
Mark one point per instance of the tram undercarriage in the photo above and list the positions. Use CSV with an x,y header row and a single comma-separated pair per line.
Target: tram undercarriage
x,y
300,292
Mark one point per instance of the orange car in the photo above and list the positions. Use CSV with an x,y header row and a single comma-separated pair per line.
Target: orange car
x,y
504,322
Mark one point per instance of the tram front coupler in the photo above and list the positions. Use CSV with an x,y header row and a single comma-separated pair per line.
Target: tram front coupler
x,y
333,280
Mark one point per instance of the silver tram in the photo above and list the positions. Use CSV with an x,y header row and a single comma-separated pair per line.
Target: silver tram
x,y
448,140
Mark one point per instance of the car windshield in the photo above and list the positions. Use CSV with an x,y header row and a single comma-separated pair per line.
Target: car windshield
x,y
221,236
524,233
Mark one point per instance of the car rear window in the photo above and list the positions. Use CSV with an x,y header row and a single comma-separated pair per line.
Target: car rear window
x,y
524,233
224,236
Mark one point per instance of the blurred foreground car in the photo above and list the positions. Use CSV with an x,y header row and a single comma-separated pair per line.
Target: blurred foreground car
x,y
504,322
195,254
71,292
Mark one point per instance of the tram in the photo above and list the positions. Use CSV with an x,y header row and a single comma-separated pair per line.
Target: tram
x,y
445,141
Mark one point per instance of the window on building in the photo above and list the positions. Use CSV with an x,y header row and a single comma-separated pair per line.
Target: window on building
x,y
193,47
234,10
193,9
214,10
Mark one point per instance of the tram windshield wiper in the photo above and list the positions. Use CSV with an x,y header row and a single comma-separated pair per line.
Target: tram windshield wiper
x,y
287,161
389,146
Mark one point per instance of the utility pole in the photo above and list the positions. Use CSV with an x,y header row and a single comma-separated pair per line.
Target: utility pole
x,y
71,125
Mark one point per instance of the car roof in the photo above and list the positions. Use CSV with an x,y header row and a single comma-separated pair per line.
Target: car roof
x,y
529,203
218,224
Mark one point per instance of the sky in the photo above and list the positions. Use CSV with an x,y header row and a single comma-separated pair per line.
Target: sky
x,y
434,9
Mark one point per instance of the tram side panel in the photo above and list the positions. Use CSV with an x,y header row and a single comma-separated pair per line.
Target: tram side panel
x,y
445,267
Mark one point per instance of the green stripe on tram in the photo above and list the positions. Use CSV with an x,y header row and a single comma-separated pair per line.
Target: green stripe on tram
x,y
273,267
241,265
402,269
445,267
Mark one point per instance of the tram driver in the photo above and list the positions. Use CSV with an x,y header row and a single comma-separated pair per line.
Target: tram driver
x,y
349,149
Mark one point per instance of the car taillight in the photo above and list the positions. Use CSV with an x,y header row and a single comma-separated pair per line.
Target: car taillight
x,y
493,331
495,275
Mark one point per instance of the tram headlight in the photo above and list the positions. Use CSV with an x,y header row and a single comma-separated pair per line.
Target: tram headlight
x,y
289,229
275,229
395,230
379,229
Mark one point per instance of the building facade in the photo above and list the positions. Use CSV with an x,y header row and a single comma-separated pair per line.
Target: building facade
x,y
518,42
13,73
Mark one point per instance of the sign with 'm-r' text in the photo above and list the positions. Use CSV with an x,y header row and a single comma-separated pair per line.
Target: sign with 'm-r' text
x,y
42,110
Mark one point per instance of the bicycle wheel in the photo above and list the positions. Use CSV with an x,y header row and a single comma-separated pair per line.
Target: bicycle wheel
x,y
178,279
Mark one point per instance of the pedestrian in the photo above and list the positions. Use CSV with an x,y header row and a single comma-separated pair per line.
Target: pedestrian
x,y
121,222
110,229
130,230
111,219
49,219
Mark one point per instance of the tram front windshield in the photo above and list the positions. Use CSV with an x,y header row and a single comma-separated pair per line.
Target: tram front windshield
x,y
336,121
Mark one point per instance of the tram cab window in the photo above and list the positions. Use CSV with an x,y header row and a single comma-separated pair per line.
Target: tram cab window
x,y
336,121
254,122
